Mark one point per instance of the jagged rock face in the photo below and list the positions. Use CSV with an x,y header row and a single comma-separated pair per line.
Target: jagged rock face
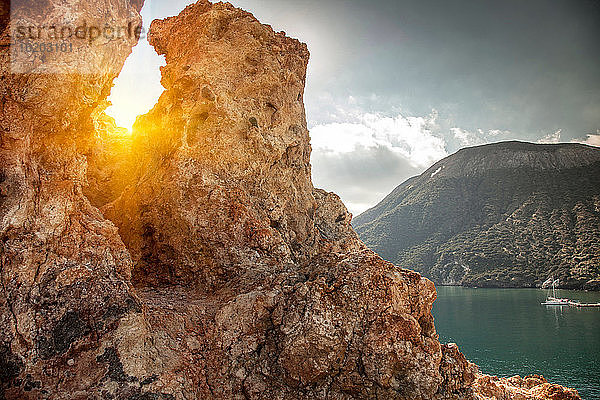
x,y
290,304
501,215
224,178
64,270
344,331
297,307
249,283
533,387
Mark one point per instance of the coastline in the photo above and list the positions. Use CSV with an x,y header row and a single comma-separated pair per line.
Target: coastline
x,y
507,332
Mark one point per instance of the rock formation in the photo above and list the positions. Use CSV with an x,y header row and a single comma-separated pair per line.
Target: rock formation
x,y
508,214
215,270
533,387
64,270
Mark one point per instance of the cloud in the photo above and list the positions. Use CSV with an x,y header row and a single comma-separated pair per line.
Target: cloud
x,y
409,137
590,139
551,138
364,159
363,176
479,136
467,138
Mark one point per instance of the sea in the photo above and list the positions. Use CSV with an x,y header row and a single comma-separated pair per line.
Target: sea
x,y
508,332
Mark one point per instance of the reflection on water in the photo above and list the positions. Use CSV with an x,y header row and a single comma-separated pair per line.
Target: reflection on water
x,y
508,332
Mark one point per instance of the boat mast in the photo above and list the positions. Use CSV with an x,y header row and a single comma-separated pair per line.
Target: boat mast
x,y
554,287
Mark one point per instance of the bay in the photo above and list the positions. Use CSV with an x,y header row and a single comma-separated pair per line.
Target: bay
x,y
508,332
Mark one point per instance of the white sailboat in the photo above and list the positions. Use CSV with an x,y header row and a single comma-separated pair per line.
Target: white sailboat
x,y
553,300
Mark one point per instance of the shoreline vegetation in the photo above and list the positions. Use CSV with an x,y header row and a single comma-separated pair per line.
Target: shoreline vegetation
x,y
515,287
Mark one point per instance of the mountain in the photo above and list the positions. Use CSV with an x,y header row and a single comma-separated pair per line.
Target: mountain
x,y
507,214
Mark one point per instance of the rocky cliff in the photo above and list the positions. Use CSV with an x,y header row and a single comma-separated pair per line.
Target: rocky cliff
x,y
194,259
501,215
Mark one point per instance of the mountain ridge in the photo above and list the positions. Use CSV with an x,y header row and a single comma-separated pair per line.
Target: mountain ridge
x,y
484,205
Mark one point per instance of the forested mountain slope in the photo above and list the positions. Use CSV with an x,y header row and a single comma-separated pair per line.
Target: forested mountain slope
x,y
507,214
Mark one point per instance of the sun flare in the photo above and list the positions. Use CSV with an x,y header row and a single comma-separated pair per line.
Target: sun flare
x,y
138,87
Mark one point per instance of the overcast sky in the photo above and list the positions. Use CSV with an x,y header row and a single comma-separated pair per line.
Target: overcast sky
x,y
395,85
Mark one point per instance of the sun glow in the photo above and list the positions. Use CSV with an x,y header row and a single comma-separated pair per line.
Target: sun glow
x,y
137,88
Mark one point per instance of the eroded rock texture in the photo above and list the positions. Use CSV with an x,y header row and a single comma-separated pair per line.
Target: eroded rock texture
x,y
224,174
533,387
224,274
64,271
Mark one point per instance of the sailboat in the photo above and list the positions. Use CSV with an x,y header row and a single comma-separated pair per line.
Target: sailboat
x,y
553,300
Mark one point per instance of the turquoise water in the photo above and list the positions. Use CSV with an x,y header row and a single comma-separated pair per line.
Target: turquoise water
x,y
508,332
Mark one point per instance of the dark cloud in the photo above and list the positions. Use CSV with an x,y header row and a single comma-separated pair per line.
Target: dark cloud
x,y
531,67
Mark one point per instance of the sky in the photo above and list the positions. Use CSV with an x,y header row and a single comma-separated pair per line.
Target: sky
x,y
396,85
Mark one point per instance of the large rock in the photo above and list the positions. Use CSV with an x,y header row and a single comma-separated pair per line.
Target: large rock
x,y
224,174
291,304
224,274
64,271
533,387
